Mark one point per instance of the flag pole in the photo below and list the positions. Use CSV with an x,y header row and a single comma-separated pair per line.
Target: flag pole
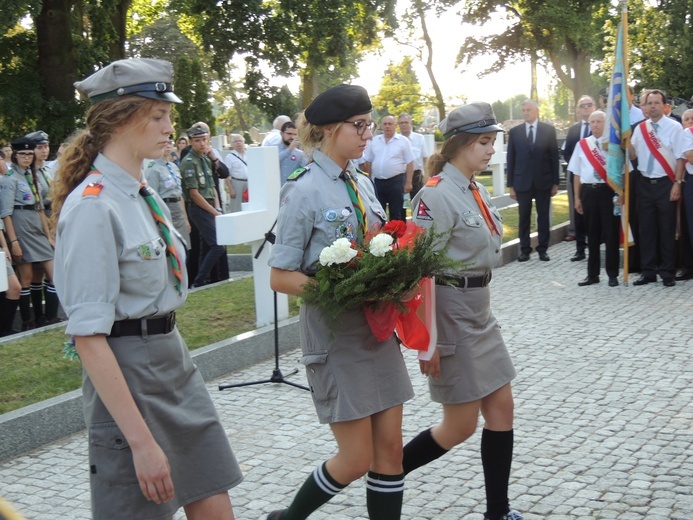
x,y
626,145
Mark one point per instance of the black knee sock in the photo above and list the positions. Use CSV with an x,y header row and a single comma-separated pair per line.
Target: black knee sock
x,y
318,489
421,450
36,290
52,302
25,304
8,309
384,496
496,458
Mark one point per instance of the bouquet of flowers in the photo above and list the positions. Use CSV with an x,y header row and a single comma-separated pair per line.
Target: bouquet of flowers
x,y
382,276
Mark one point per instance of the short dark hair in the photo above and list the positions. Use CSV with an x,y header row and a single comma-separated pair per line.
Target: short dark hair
x,y
2,155
287,125
659,92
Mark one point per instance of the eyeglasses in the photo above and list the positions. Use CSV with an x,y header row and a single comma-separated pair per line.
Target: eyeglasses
x,y
586,105
361,126
25,154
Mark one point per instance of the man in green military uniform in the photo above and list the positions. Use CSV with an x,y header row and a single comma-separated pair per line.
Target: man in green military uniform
x,y
201,199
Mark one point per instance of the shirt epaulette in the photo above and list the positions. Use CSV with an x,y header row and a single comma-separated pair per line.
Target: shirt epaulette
x,y
433,181
297,173
92,190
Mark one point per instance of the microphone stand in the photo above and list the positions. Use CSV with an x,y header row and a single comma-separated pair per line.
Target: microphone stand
x,y
277,376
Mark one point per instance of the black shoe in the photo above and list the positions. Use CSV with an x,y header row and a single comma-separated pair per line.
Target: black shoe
x,y
523,257
544,257
684,275
40,321
668,282
577,257
590,280
275,515
28,325
644,280
613,281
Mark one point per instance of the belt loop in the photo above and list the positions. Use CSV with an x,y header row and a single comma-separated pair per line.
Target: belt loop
x,y
143,328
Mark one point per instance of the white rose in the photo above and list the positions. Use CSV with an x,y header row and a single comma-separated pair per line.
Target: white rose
x,y
340,252
380,244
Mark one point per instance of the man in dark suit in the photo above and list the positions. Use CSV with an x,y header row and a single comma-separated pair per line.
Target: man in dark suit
x,y
584,107
532,163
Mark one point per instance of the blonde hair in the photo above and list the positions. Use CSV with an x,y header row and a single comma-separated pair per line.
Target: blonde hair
x,y
103,119
313,137
451,147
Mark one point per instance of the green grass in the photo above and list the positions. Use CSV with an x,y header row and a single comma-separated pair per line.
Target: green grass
x,y
33,369
241,249
510,216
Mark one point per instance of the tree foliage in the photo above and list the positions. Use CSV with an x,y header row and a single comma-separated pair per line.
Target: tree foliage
x,y
194,92
400,91
568,35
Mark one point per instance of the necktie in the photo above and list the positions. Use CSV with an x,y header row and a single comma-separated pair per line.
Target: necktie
x,y
586,130
530,136
30,179
485,212
166,232
174,176
356,201
650,159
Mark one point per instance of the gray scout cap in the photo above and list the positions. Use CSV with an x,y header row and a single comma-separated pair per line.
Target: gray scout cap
x,y
474,118
38,137
142,77
196,131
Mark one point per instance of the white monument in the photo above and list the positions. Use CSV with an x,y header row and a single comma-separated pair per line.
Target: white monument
x,y
497,166
249,226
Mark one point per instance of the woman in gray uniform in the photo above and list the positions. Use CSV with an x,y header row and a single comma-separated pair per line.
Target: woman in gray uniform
x,y
164,178
470,370
358,384
26,225
155,440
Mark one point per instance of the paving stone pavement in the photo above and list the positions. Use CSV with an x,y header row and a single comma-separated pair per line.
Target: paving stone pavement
x,y
604,421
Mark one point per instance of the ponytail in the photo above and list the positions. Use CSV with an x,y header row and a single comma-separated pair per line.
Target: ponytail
x,y
450,148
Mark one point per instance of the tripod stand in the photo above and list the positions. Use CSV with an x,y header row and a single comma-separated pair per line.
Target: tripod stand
x,y
277,376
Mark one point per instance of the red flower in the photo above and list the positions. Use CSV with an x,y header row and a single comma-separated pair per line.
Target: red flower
x,y
396,228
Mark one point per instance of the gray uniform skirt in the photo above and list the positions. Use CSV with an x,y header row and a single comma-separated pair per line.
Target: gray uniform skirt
x,y
171,395
179,222
351,375
474,361
32,239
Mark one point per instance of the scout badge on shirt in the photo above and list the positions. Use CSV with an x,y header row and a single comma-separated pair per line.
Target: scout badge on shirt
x,y
151,249
471,218
422,212
201,179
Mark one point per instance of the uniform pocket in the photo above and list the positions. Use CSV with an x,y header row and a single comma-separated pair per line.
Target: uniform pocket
x,y
110,457
320,376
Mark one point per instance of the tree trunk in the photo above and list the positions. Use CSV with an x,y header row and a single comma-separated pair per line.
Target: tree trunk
x,y
56,61
116,50
440,102
533,87
309,85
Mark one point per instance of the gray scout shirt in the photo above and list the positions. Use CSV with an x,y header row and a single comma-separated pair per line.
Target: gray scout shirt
x,y
315,210
163,178
110,260
450,205
16,191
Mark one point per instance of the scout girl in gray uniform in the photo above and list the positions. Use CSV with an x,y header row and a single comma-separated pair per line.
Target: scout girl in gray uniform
x,y
471,369
358,385
155,440
21,208
164,178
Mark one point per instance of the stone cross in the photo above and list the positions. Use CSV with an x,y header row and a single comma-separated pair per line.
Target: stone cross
x,y
497,166
250,225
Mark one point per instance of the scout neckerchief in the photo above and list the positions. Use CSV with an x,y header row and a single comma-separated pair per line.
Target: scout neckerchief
x,y
32,184
485,212
42,169
661,153
594,156
174,176
208,179
166,232
356,201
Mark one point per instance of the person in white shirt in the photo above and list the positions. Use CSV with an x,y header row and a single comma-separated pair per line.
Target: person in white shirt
x,y
656,190
390,161
594,201
418,146
274,136
684,173
237,181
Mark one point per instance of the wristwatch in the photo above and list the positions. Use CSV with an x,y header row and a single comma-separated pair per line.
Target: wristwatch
x,y
680,181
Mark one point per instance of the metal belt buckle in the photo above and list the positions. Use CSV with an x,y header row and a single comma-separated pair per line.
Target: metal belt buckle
x,y
486,279
170,321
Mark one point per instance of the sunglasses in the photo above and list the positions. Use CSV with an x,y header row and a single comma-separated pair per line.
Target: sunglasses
x,y
586,105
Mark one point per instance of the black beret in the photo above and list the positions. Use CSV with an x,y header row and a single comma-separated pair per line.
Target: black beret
x,y
338,104
22,143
